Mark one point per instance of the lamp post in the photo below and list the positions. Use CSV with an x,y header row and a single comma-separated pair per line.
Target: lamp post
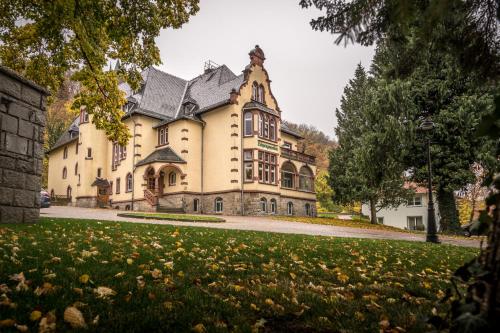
x,y
427,126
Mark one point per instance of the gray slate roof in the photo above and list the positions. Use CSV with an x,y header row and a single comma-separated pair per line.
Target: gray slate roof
x,y
66,137
162,155
284,128
167,98
259,106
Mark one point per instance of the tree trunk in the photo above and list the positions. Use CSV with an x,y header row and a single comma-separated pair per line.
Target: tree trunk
x,y
491,301
448,211
373,211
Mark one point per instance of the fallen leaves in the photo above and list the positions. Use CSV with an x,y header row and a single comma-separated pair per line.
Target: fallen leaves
x,y
74,317
104,292
317,282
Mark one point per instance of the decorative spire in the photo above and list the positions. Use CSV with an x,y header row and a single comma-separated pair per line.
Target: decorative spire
x,y
257,56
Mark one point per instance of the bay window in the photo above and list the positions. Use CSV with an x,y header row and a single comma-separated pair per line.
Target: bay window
x,y
267,168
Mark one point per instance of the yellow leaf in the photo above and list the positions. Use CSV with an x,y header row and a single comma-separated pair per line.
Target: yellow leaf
x,y
254,307
342,277
293,276
84,278
35,315
269,301
130,261
200,328
119,275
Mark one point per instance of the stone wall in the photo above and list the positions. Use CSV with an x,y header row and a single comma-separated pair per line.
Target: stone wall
x,y
22,121
231,204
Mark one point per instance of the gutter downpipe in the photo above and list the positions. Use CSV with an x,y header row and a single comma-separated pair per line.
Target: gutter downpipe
x,y
242,169
133,166
202,161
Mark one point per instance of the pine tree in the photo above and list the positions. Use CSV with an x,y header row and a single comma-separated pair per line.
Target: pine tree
x,y
367,166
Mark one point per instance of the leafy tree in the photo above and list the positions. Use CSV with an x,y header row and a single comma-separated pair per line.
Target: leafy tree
x,y
43,40
367,166
324,193
467,32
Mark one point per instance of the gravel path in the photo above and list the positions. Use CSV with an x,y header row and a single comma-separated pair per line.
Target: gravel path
x,y
256,224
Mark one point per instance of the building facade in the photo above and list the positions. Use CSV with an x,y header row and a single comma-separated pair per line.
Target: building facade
x,y
215,144
409,216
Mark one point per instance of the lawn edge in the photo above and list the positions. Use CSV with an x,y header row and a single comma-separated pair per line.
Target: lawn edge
x,y
145,217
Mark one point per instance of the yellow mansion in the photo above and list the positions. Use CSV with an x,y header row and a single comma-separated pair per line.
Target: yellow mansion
x,y
215,144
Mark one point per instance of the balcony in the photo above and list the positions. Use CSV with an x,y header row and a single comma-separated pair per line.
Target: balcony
x,y
297,156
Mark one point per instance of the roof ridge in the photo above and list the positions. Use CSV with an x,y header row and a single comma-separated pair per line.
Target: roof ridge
x,y
163,72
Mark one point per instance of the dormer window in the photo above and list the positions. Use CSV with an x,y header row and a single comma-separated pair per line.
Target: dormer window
x,y
163,136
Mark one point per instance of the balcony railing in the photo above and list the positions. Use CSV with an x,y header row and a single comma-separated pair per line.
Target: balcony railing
x,y
295,155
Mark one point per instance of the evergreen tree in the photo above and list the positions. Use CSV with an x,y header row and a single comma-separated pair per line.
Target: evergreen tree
x,y
367,166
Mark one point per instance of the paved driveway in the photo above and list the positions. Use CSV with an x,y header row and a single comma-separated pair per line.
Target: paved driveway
x,y
256,224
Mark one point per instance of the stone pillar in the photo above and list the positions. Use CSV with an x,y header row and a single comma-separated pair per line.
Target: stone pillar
x,y
22,122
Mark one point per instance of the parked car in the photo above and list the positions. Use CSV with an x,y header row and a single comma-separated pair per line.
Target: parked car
x,y
471,228
44,199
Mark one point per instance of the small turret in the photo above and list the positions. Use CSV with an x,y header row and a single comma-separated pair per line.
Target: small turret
x,y
257,56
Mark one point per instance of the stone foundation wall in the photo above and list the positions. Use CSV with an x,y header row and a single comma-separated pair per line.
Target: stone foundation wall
x,y
231,204
86,202
22,121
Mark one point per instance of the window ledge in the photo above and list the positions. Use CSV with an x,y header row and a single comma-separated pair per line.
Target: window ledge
x,y
89,158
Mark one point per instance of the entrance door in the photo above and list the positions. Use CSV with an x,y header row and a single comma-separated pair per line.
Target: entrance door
x,y
102,196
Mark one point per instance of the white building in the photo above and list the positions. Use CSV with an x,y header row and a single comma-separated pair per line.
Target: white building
x,y
410,216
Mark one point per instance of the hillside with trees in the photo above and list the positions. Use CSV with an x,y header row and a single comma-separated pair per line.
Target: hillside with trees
x,y
320,145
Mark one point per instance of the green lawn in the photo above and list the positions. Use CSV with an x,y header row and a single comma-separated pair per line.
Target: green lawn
x,y
356,222
174,217
164,278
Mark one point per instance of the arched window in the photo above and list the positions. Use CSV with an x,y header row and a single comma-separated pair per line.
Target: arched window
x,y
289,208
68,192
218,205
288,175
272,129
261,94
308,209
261,124
306,179
255,91
128,184
65,152
127,207
76,168
263,205
248,124
196,205
273,206
172,177
65,173
52,194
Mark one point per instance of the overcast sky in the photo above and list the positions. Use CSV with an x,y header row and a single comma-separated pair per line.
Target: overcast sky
x,y
307,69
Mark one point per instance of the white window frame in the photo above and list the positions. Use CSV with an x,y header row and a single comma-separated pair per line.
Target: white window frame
x,y
413,202
219,205
263,205
273,206
248,124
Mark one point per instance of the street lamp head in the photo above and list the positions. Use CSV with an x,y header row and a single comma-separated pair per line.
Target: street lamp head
x,y
427,125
